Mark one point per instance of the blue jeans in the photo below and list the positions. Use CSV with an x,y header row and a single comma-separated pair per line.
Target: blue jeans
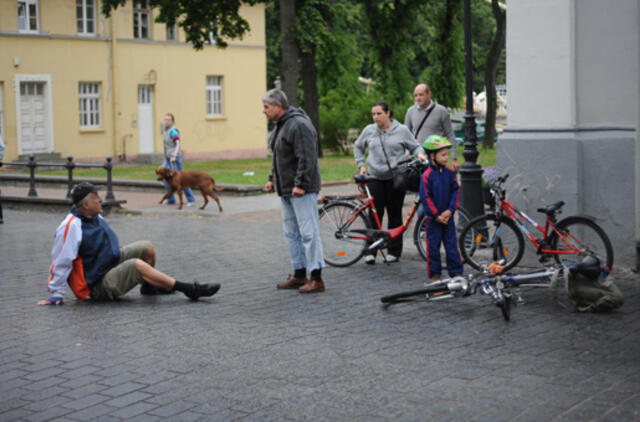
x,y
301,233
177,165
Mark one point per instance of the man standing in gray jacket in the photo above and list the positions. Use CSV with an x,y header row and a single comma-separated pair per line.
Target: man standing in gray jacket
x,y
295,175
426,118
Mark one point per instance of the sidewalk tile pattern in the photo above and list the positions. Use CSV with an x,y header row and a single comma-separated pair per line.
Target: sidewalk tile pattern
x,y
255,353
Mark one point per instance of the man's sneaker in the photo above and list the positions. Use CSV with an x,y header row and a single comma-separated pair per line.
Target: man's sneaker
x,y
202,290
391,258
190,204
370,259
312,286
292,283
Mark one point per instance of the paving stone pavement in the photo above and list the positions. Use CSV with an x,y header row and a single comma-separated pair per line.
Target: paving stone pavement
x,y
254,353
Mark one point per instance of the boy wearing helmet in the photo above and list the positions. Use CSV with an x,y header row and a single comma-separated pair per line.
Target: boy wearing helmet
x,y
440,197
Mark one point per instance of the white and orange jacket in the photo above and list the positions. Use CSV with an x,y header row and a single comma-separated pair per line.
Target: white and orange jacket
x,y
84,250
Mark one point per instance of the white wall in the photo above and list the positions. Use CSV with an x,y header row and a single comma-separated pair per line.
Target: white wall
x,y
540,57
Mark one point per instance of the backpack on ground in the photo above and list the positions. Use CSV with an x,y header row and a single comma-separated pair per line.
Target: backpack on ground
x,y
588,294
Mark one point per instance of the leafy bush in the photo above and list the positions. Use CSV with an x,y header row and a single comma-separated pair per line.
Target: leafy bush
x,y
340,111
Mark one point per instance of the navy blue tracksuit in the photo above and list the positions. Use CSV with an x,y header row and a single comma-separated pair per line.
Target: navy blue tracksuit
x,y
439,191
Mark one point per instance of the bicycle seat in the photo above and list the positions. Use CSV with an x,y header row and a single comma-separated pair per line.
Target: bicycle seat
x,y
551,209
363,178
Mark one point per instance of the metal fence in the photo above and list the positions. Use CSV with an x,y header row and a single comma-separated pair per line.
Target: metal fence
x,y
32,164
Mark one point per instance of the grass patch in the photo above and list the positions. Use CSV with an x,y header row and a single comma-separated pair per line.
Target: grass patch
x,y
332,168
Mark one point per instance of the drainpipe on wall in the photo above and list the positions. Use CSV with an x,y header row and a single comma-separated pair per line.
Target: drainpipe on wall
x,y
114,125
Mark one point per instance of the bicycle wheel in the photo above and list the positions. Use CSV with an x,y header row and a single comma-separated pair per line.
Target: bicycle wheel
x,y
487,239
399,297
586,236
336,221
420,231
505,306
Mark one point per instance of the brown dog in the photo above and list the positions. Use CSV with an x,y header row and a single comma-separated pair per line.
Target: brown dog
x,y
179,180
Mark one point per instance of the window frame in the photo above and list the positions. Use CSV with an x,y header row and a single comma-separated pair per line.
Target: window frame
x,y
91,108
85,18
141,8
210,95
173,30
27,18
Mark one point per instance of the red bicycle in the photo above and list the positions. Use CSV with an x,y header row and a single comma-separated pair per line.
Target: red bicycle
x,y
345,224
500,235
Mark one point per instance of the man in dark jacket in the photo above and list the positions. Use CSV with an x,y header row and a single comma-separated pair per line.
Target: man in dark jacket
x,y
295,176
87,257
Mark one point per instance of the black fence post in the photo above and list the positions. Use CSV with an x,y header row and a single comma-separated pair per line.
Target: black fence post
x,y
32,175
70,165
109,166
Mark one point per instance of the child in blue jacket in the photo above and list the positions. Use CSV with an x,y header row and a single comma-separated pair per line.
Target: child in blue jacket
x,y
440,197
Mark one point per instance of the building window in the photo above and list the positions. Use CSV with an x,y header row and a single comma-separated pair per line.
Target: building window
x,y
171,33
89,105
28,16
214,96
216,31
141,18
86,17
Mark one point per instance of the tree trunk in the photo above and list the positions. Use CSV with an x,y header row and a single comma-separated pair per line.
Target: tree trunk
x,y
289,50
493,58
310,90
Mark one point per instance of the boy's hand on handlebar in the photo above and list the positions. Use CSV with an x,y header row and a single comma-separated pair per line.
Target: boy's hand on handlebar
x,y
363,170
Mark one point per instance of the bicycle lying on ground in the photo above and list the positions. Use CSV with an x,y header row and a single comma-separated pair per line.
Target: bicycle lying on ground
x,y
346,230
493,282
499,235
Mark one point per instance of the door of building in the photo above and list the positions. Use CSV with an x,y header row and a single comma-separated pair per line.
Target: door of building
x,y
145,119
35,131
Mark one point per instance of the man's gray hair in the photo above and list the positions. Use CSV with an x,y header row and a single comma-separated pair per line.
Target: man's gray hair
x,y
84,200
276,96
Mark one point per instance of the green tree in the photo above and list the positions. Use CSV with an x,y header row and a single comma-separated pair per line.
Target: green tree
x,y
493,59
390,24
445,74
201,20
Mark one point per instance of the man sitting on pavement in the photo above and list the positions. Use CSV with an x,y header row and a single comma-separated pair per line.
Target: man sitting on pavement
x,y
86,255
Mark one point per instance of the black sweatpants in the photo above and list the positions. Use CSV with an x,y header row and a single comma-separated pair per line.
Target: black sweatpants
x,y
385,197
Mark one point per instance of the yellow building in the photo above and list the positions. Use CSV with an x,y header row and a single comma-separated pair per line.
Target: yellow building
x,y
73,82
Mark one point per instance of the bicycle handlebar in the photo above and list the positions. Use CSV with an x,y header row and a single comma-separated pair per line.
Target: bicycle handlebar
x,y
500,180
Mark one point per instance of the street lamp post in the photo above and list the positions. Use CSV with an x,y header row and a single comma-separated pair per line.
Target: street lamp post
x,y
470,170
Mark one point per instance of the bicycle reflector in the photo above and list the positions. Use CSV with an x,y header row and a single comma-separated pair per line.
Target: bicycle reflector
x,y
341,253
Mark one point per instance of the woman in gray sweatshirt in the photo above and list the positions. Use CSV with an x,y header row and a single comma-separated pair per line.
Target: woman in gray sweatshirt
x,y
388,143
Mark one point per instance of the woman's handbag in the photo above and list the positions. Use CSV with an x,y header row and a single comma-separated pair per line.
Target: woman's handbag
x,y
407,177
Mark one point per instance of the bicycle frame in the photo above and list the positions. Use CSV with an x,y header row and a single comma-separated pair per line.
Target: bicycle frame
x,y
496,285
366,199
508,208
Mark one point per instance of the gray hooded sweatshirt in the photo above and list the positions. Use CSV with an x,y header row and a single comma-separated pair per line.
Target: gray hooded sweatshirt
x,y
397,141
